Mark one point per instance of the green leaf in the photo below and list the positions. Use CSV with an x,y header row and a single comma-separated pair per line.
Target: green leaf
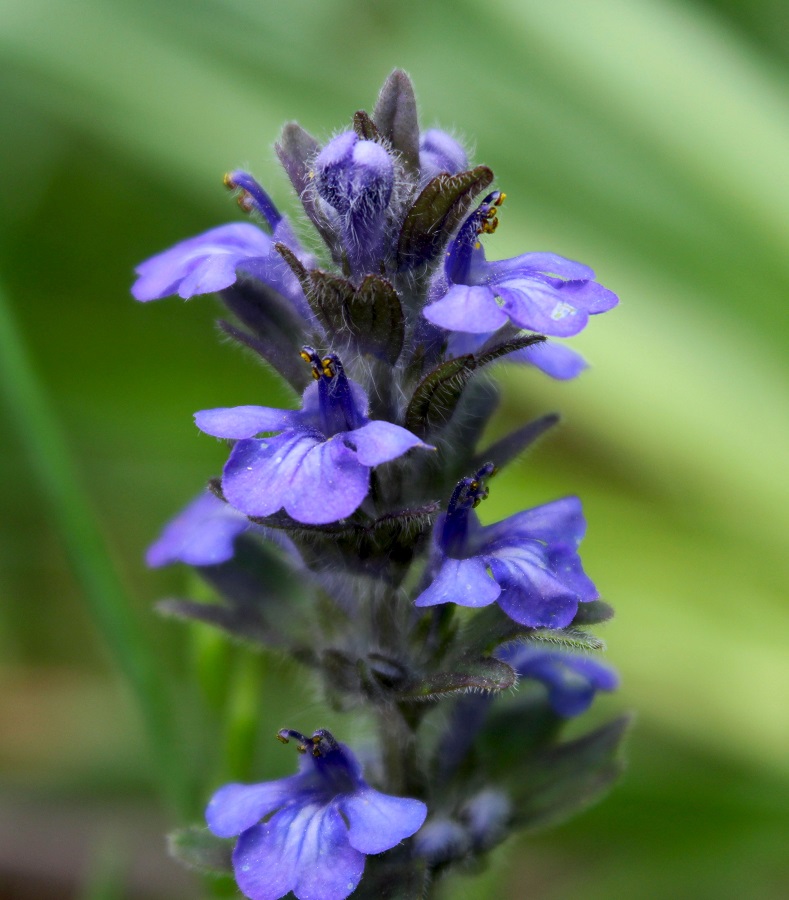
x,y
571,638
593,613
296,149
437,395
487,674
395,114
364,126
561,781
198,849
510,447
371,314
437,212
375,318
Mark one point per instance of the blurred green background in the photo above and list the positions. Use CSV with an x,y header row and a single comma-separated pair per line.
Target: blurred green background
x,y
646,137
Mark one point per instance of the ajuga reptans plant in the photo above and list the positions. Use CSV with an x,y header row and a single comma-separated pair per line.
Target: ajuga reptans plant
x,y
343,529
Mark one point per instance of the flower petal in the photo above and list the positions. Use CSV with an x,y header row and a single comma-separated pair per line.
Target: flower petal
x,y
258,474
303,849
201,264
560,521
378,442
546,263
379,821
467,308
554,359
236,807
532,594
238,422
329,484
462,581
572,680
550,307
201,535
565,563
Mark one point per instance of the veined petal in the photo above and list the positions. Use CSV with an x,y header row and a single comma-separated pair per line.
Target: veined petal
x,y
379,821
303,849
238,422
547,263
544,306
201,264
554,359
536,611
565,563
378,442
258,474
559,521
462,581
531,594
236,807
329,484
467,308
201,535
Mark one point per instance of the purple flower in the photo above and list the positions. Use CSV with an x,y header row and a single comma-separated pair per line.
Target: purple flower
x,y
318,466
210,262
203,534
354,178
309,833
571,679
439,152
539,291
527,563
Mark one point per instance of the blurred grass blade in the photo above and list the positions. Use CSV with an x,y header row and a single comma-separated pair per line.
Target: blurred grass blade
x,y
105,594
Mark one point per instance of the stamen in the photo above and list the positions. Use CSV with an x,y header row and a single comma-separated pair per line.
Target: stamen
x,y
252,196
285,735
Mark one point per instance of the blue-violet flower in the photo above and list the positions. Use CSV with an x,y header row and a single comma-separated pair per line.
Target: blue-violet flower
x,y
539,291
527,563
211,261
318,466
309,833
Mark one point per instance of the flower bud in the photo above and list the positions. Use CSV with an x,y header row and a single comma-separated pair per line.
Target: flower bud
x,y
356,178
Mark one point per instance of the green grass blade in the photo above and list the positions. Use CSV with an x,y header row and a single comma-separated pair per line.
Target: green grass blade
x,y
107,598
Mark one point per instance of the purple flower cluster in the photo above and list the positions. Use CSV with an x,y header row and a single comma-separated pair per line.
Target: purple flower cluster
x,y
383,332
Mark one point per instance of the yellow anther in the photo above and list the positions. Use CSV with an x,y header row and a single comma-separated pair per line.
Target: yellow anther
x,y
477,245
245,201
283,739
228,181
500,199
305,356
491,213
474,485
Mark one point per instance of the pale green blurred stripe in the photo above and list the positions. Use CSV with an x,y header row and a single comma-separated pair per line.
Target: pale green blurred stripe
x,y
677,77
105,593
